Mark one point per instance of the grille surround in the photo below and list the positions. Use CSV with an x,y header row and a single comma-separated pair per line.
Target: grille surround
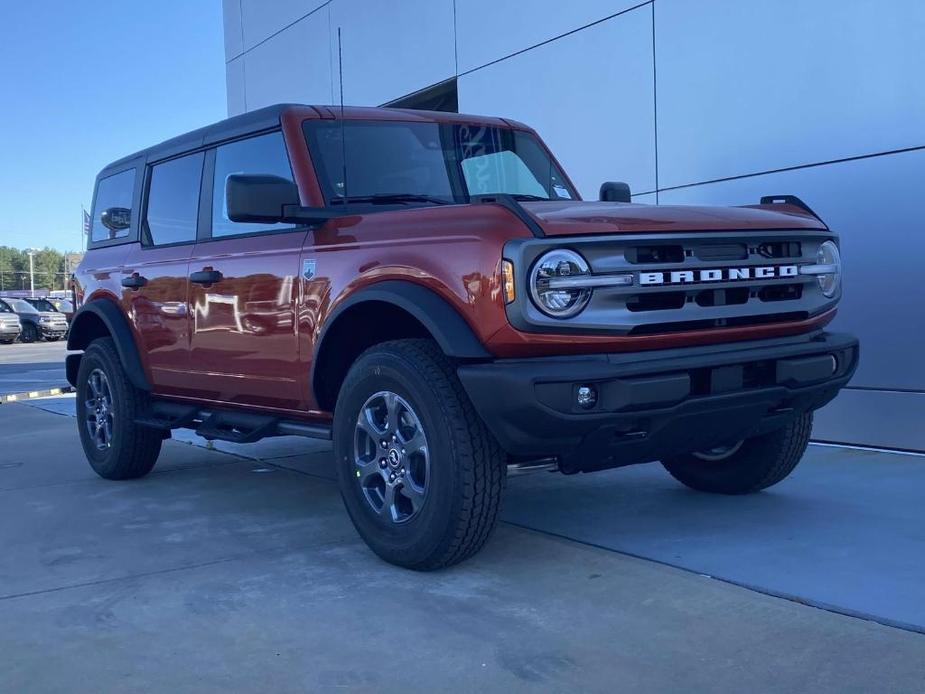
x,y
621,310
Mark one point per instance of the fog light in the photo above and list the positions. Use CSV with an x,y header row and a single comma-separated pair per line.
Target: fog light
x,y
586,397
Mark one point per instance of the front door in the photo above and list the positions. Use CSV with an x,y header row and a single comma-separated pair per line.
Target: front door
x,y
243,293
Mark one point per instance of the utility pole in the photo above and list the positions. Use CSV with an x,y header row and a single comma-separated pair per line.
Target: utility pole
x,y
31,253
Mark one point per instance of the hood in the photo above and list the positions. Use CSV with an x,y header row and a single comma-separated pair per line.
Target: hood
x,y
54,315
578,217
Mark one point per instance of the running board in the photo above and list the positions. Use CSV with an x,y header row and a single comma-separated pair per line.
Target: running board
x,y
227,425
526,467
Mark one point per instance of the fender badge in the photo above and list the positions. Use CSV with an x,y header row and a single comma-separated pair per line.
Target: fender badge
x,y
308,269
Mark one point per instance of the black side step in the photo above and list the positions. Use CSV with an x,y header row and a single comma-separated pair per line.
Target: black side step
x,y
237,427
227,425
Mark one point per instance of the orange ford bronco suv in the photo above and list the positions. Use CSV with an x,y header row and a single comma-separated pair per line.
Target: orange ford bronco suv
x,y
430,292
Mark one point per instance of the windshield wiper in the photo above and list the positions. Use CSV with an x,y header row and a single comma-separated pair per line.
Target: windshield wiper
x,y
527,197
390,198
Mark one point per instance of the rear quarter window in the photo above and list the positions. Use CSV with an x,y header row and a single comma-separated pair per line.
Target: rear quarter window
x,y
112,209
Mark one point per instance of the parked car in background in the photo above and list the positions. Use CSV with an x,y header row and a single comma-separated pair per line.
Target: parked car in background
x,y
65,306
49,305
10,327
37,324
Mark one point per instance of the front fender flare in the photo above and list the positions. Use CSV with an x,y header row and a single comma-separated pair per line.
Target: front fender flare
x,y
442,321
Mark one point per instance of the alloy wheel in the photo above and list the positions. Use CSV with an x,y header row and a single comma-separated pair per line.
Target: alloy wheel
x,y
391,457
100,416
718,453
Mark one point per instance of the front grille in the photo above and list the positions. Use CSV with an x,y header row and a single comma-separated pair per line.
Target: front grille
x,y
686,281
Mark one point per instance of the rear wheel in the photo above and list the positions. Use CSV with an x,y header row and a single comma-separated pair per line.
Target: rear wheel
x,y
745,466
107,407
29,333
420,475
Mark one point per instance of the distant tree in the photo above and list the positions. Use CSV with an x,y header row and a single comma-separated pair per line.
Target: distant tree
x,y
49,269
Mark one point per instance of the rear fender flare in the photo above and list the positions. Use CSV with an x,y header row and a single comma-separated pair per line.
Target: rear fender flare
x,y
85,328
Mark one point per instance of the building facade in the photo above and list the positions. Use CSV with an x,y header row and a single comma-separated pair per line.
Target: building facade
x,y
689,101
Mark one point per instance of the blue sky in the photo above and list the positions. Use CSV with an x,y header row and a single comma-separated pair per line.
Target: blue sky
x,y
85,82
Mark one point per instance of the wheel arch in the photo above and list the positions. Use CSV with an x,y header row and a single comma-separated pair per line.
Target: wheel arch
x,y
102,318
397,309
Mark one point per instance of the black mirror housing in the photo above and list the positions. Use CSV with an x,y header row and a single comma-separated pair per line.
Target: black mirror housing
x,y
116,218
615,191
258,197
270,199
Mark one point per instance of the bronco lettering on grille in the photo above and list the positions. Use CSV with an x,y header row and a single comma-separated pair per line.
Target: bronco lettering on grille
x,y
730,274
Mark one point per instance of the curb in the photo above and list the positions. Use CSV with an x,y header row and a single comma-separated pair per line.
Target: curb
x,y
17,397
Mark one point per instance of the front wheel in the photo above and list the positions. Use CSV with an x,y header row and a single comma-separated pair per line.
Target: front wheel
x,y
419,473
29,333
746,466
107,407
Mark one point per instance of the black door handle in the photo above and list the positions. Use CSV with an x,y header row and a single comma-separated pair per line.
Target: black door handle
x,y
134,281
206,276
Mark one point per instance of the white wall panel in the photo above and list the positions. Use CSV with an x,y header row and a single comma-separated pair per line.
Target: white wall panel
x,y
873,418
589,95
876,207
487,30
752,86
234,86
295,65
393,48
263,18
231,22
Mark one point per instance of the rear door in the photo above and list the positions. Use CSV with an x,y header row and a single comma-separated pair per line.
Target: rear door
x,y
243,291
155,279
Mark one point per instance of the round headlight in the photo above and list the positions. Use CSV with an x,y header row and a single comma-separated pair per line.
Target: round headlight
x,y
829,281
555,298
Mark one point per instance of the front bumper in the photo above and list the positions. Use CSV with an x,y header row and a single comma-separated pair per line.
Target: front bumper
x,y
9,332
653,405
54,331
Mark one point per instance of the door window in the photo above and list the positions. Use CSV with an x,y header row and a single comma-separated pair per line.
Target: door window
x,y
112,210
265,154
173,201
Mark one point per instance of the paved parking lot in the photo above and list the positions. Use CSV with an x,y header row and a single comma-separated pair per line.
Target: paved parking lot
x,y
220,571
25,367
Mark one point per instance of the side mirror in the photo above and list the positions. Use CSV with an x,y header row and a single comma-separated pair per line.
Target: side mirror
x,y
258,197
269,199
116,218
614,191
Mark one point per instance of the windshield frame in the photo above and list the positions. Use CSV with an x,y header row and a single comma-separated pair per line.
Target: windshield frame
x,y
459,191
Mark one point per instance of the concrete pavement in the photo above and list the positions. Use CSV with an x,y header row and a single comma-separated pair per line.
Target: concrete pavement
x,y
218,572
34,366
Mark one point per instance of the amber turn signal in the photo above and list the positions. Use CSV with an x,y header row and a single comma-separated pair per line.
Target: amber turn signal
x,y
507,279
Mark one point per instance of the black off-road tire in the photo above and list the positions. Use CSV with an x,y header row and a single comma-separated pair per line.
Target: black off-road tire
x,y
758,463
467,471
29,333
133,449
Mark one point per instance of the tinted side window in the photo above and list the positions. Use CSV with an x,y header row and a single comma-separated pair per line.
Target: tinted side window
x,y
173,201
112,210
265,154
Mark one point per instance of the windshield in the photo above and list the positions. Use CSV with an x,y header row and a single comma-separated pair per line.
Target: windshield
x,y
43,305
430,162
63,305
20,306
